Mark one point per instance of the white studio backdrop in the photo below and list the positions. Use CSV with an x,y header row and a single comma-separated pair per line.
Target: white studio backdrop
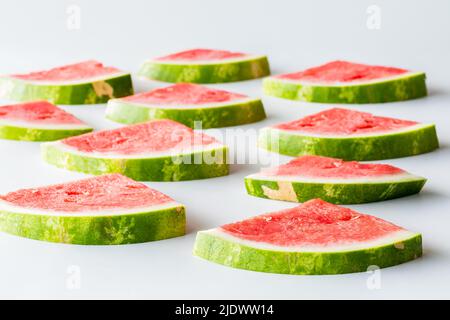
x,y
295,35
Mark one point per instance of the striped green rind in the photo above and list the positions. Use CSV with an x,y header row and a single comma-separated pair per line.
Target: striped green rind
x,y
206,73
410,86
191,166
210,117
97,229
375,147
34,134
99,91
233,254
337,193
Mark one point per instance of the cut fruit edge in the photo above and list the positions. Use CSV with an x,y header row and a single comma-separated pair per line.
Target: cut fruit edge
x,y
390,239
10,208
68,83
407,129
345,84
402,177
170,153
181,107
34,125
206,62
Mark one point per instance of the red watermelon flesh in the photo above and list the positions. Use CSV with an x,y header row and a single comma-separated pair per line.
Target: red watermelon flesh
x,y
324,167
38,112
105,192
184,94
71,72
152,136
338,121
202,55
314,223
343,71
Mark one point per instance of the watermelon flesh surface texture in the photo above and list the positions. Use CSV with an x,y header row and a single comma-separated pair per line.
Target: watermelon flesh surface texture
x,y
314,238
190,104
323,167
347,82
153,136
202,55
206,66
40,112
350,135
343,72
346,122
184,94
333,180
73,72
87,82
109,209
38,121
158,150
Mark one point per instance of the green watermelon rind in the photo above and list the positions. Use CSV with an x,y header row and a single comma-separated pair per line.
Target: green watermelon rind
x,y
80,92
11,132
233,114
114,229
410,86
205,164
223,251
211,72
333,192
418,140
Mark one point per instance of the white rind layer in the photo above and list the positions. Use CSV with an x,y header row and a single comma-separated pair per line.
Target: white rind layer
x,y
392,238
35,125
206,62
70,82
350,136
346,84
9,207
147,155
355,180
114,102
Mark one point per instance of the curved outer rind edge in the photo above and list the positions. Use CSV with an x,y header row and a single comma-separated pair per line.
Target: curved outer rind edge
x,y
98,91
374,147
206,73
234,114
97,229
337,193
408,87
188,166
37,134
234,254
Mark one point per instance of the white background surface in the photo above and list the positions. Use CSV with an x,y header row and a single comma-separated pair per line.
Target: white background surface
x,y
295,34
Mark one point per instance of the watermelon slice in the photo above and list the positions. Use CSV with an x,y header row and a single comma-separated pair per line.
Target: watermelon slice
x,y
187,103
158,150
347,82
333,180
350,135
38,121
314,238
86,82
206,66
109,209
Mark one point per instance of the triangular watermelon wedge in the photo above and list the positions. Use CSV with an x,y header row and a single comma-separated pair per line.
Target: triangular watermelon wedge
x,y
38,121
158,150
206,66
348,82
316,237
333,180
109,209
187,103
349,135
86,82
